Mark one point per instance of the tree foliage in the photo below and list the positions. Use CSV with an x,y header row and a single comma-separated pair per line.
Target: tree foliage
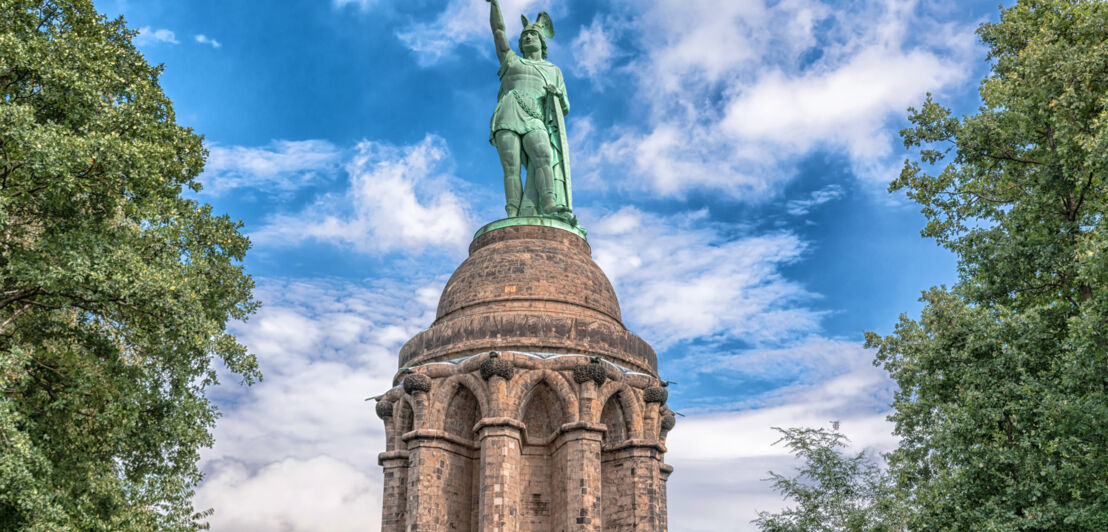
x,y
115,290
1002,405
833,491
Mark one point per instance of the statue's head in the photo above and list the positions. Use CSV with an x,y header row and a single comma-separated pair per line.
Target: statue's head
x,y
534,36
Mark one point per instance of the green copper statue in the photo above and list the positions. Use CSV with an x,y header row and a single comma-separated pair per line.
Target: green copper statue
x,y
528,128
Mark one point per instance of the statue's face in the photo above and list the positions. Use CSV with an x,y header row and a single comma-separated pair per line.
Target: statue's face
x,y
529,41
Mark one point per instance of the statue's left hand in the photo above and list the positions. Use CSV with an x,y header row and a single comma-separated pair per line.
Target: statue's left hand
x,y
550,88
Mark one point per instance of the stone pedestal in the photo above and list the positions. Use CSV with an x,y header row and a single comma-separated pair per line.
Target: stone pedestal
x,y
527,406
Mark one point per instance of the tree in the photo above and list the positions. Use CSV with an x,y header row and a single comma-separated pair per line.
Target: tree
x,y
834,491
115,291
1002,405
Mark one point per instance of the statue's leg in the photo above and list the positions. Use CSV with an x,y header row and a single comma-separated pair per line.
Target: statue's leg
x,y
508,147
537,145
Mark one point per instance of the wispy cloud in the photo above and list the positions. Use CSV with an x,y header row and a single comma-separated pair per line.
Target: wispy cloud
x,y
594,52
461,23
800,207
360,4
204,39
680,277
281,166
730,107
147,35
399,198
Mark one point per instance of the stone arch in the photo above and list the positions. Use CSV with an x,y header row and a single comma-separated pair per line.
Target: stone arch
x,y
525,383
628,402
462,414
445,393
614,419
543,413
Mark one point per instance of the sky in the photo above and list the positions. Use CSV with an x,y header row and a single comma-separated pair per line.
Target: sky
x,y
731,163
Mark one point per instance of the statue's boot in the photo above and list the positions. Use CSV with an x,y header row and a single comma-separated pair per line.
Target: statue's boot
x,y
546,185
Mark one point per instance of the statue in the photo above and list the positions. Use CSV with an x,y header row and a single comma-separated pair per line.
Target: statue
x,y
528,128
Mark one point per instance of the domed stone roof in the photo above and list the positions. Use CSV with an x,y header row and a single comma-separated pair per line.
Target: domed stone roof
x,y
529,263
529,288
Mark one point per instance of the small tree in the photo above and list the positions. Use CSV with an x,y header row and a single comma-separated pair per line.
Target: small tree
x,y
833,491
1003,381
115,291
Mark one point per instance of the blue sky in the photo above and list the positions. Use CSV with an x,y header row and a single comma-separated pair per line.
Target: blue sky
x,y
730,161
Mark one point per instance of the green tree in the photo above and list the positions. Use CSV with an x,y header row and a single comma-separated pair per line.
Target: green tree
x,y
833,491
1002,405
115,291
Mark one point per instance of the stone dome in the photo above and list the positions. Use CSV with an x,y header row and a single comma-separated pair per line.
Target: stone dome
x,y
529,263
529,288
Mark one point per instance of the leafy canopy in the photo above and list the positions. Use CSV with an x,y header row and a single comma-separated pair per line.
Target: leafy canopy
x,y
115,291
1002,405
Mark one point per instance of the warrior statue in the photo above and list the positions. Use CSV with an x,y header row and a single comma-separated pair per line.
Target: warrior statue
x,y
528,128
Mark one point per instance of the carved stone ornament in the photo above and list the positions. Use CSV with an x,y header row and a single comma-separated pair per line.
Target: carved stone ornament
x,y
655,394
417,383
494,366
668,422
593,371
384,409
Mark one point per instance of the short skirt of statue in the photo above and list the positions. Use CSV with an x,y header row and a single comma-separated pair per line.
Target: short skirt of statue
x,y
517,111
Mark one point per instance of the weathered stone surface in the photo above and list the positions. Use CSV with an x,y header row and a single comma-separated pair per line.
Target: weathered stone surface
x,y
655,394
384,409
529,288
558,443
417,383
593,371
496,366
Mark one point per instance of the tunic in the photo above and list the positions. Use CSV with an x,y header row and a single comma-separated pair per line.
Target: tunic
x,y
520,106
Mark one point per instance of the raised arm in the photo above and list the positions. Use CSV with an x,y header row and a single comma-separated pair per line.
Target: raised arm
x,y
499,35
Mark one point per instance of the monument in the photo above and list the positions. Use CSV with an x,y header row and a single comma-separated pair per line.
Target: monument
x,y
527,405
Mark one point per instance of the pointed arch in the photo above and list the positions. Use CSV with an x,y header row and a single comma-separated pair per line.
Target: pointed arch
x,y
445,393
523,384
614,419
628,402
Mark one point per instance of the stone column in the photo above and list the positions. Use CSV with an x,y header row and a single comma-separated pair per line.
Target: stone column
x,y
501,447
427,459
663,519
578,451
645,460
395,500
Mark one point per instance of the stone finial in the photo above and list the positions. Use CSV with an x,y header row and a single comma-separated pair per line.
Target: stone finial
x,y
417,383
593,371
655,394
384,408
495,366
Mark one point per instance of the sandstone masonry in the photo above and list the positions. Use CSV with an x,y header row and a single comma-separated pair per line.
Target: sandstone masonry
x,y
527,405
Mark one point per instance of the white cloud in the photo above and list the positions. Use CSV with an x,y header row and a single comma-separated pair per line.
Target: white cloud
x,y
298,450
729,106
800,207
680,278
593,51
204,39
146,35
400,198
721,458
281,166
360,4
319,494
463,22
